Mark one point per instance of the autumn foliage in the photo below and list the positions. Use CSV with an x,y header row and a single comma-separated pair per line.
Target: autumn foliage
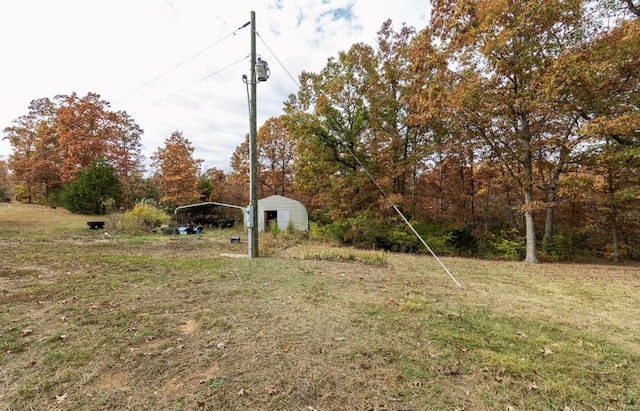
x,y
58,138
499,126
502,129
176,171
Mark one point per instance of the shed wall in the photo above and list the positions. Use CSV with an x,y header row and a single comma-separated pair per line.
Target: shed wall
x,y
297,212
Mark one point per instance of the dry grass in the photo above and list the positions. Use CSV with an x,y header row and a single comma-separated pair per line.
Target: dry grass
x,y
92,322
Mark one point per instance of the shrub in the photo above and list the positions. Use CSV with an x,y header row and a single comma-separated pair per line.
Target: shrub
x,y
322,233
507,244
144,216
398,239
463,241
92,189
391,235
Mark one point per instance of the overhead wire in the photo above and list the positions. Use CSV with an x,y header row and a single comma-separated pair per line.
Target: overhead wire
x,y
233,33
278,60
199,81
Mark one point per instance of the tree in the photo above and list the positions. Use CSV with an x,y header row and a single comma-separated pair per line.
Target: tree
x,y
205,187
216,187
124,152
399,143
84,131
94,189
275,157
35,159
449,124
328,120
601,79
239,176
176,171
505,50
5,186
59,137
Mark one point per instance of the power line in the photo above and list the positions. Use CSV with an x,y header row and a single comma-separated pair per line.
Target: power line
x,y
196,82
278,60
183,62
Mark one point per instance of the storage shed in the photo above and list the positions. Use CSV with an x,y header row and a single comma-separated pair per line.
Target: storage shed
x,y
282,211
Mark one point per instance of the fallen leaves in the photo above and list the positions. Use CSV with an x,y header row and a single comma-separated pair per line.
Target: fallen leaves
x,y
546,351
61,398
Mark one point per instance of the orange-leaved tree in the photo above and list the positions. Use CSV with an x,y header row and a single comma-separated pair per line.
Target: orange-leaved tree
x,y
603,88
60,137
176,171
35,159
275,159
83,129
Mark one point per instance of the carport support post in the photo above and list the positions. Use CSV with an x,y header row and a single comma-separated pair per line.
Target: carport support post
x,y
253,150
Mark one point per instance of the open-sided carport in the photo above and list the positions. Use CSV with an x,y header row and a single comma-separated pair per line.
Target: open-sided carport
x,y
208,219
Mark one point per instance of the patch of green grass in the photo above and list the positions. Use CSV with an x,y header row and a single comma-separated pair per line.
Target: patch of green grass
x,y
214,382
15,338
520,355
521,362
70,357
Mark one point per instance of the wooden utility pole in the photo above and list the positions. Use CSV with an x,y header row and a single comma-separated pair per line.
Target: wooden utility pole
x,y
253,149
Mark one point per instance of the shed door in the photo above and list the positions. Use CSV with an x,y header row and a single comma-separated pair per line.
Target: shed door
x,y
283,219
270,217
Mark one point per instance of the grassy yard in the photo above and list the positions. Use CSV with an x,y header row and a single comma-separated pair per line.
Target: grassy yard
x,y
95,321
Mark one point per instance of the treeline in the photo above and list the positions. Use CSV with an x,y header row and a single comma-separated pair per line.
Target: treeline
x,y
508,129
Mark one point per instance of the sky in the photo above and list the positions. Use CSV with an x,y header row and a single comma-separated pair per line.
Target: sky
x,y
177,65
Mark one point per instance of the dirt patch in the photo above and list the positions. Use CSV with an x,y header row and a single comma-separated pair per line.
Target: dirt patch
x,y
190,327
177,385
114,380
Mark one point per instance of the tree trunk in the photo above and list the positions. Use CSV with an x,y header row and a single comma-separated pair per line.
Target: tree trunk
x,y
527,164
616,242
548,221
614,217
552,189
531,250
414,190
548,225
440,188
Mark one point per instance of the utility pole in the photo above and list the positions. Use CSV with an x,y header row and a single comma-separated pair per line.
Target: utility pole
x,y
253,149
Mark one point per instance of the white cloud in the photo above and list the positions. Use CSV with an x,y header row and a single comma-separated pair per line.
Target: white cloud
x,y
115,47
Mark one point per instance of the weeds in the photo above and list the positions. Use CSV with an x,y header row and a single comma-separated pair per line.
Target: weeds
x,y
375,258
